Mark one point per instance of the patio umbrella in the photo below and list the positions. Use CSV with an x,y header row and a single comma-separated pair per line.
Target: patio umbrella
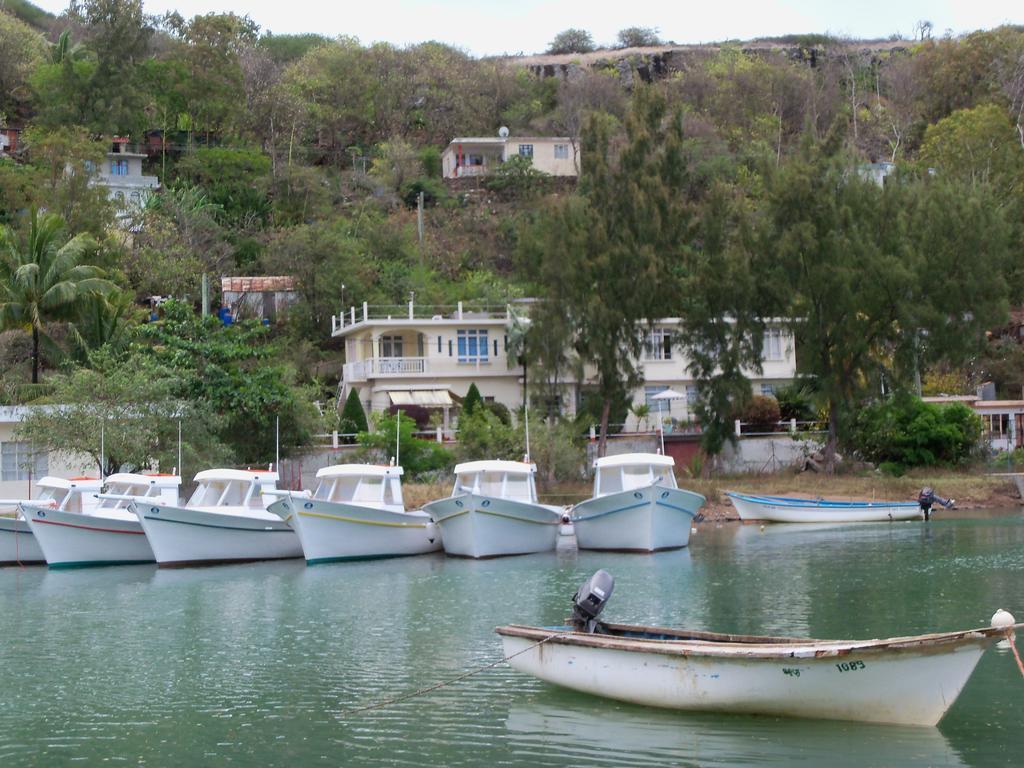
x,y
661,397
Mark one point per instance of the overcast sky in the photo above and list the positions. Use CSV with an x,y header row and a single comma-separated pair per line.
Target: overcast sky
x,y
511,26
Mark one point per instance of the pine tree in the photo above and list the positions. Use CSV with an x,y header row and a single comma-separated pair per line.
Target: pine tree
x,y
353,417
472,401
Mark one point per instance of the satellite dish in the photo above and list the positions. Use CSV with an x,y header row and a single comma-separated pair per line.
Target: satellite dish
x,y
503,132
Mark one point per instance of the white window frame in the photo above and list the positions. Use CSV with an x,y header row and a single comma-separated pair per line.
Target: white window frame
x,y
16,456
480,338
774,345
658,344
561,151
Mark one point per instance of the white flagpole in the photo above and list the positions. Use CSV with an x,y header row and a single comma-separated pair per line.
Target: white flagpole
x,y
398,437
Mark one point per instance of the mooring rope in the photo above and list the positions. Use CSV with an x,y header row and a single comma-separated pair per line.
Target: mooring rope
x,y
1013,647
436,686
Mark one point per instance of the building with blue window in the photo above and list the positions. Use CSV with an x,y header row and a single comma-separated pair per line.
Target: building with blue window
x,y
426,355
121,173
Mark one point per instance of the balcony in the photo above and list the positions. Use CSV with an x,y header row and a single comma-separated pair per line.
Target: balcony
x,y
378,367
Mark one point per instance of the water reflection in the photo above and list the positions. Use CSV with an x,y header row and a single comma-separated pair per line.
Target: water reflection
x,y
620,735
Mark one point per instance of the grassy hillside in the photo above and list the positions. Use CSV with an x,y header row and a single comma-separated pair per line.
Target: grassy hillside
x,y
32,15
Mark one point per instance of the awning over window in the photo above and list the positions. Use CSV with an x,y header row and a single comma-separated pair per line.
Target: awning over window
x,y
428,398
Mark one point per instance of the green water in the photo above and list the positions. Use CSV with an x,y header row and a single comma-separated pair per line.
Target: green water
x,y
253,665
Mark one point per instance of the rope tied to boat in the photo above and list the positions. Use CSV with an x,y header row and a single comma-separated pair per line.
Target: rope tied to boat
x,y
444,683
1013,647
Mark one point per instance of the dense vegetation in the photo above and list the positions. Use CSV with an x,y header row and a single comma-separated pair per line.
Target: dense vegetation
x,y
723,193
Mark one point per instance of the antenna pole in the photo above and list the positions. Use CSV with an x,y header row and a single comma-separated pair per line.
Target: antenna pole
x,y
277,443
526,415
103,452
180,468
398,436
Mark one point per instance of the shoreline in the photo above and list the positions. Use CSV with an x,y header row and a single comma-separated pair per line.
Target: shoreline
x,y
971,490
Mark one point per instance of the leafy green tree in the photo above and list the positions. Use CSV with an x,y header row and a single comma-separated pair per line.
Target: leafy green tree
x,y
572,40
21,50
234,371
44,277
517,178
638,37
353,417
472,402
234,179
129,407
483,435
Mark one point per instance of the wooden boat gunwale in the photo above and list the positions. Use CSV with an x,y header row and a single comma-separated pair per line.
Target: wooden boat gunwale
x,y
675,642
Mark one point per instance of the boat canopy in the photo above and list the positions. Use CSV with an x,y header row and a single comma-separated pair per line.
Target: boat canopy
x,y
369,485
131,484
232,488
511,480
629,471
76,494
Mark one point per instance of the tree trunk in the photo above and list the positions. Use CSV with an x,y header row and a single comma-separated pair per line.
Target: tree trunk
x,y
35,355
833,438
602,443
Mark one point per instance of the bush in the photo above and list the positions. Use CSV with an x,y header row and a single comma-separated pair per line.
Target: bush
x,y
483,436
417,413
499,410
572,40
795,402
911,433
433,191
416,456
762,412
353,417
517,177
558,451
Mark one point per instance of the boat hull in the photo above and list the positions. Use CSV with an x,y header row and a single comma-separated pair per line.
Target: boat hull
x,y
913,685
76,540
182,537
334,531
754,509
642,520
18,545
478,526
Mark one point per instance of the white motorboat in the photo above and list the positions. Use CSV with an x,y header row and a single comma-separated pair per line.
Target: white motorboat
x,y
785,509
493,511
225,521
357,513
909,680
636,506
18,545
99,529
56,495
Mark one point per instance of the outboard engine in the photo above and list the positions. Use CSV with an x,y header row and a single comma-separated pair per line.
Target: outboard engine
x,y
589,601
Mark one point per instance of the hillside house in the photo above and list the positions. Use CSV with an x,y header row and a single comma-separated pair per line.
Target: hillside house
x,y
1002,420
121,173
481,156
8,140
260,298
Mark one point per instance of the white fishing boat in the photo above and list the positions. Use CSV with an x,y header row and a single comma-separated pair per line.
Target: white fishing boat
x,y
18,542
784,509
909,680
224,521
99,529
493,511
357,513
636,506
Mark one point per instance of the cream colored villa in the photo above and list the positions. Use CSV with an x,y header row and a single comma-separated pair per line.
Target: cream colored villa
x,y
480,156
429,355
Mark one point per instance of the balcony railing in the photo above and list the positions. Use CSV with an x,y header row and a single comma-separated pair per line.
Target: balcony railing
x,y
412,311
375,367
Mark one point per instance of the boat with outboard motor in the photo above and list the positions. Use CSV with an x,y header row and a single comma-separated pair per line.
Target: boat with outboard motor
x,y
100,530
786,509
910,680
224,521
636,506
357,513
493,511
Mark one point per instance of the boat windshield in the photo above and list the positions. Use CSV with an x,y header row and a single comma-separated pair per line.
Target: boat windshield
x,y
220,493
632,476
369,489
508,485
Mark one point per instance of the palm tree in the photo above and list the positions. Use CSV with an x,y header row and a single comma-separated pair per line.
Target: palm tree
x,y
42,278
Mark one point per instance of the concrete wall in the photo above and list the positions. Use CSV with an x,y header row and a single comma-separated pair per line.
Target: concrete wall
x,y
766,454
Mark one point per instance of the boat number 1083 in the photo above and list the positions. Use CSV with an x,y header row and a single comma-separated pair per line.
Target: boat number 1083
x,y
850,666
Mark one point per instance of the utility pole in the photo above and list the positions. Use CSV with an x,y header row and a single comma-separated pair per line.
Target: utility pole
x,y
419,216
206,295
